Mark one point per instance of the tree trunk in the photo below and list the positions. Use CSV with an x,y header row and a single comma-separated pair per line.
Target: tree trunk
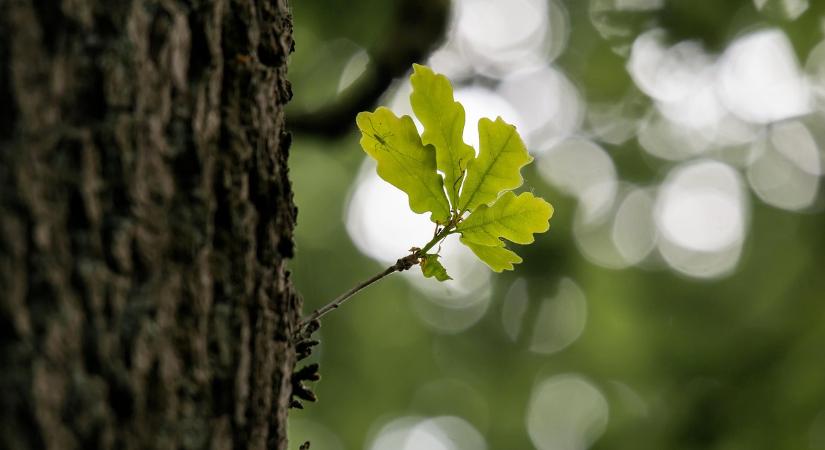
x,y
145,219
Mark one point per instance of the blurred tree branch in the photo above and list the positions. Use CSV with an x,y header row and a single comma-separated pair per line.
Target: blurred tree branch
x,y
418,26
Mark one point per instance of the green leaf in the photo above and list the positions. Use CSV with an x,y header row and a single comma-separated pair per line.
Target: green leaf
x,y
430,267
501,156
443,119
404,161
497,258
511,217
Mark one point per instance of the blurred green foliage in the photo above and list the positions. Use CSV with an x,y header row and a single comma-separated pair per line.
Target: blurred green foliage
x,y
736,362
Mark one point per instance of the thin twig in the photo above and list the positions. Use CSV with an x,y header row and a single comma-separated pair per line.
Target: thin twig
x,y
400,265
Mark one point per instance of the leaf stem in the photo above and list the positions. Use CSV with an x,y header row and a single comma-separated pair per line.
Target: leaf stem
x,y
437,238
401,265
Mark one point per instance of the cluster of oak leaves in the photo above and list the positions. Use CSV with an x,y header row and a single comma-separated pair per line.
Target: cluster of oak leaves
x,y
443,175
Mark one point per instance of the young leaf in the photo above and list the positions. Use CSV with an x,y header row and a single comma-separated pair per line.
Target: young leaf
x,y
443,120
430,267
497,258
501,156
404,161
511,217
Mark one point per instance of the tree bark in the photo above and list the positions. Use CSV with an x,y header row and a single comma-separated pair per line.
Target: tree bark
x,y
145,220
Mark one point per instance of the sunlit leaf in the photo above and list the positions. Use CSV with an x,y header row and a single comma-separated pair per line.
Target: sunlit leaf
x,y
431,267
515,218
404,161
480,185
501,156
497,258
443,119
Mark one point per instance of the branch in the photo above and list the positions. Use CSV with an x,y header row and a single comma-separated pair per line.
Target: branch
x,y
401,265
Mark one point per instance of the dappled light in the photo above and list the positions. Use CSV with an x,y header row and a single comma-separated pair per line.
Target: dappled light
x,y
787,166
682,145
412,224
388,232
560,319
501,37
556,322
581,168
548,103
480,102
566,412
760,80
355,67
702,217
438,433
634,233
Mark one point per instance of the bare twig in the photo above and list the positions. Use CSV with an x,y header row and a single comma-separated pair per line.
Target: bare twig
x,y
401,265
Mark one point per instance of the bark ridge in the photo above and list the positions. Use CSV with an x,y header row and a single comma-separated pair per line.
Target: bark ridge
x,y
146,217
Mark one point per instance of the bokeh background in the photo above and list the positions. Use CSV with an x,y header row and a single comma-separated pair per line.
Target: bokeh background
x,y
678,301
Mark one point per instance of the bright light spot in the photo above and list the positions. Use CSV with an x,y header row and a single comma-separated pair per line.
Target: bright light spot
x,y
470,277
700,207
502,37
454,305
786,9
634,232
700,111
393,436
700,213
760,80
444,308
382,226
477,101
623,235
732,131
481,102
514,307
795,142
557,36
354,68
700,264
450,61
639,5
566,412
454,397
667,140
815,69
595,242
560,320
499,26
680,78
548,103
667,74
618,21
584,170
700,220
440,433
616,122
379,219
785,174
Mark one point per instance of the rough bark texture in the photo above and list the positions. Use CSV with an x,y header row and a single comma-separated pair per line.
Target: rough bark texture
x,y
145,218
